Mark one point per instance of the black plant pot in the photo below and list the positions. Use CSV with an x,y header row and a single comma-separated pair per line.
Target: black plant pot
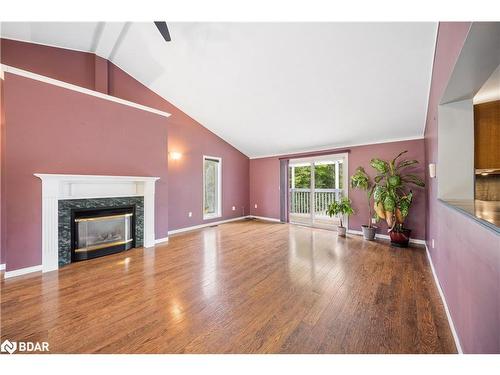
x,y
400,237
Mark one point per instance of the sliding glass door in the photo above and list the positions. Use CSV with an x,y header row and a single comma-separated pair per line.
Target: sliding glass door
x,y
300,182
314,183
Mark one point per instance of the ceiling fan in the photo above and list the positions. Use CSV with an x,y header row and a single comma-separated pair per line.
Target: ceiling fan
x,y
162,27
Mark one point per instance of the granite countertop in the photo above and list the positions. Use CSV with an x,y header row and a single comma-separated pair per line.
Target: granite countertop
x,y
486,213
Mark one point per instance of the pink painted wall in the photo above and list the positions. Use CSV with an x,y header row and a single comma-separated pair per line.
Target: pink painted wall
x,y
193,141
466,255
361,156
73,67
101,75
69,132
185,134
264,184
2,180
265,187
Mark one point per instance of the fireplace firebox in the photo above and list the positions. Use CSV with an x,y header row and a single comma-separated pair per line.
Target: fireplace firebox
x,y
101,231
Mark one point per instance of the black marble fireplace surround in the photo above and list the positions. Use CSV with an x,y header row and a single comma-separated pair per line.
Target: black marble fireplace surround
x,y
67,206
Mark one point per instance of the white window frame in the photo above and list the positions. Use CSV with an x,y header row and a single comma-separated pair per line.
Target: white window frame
x,y
310,161
219,189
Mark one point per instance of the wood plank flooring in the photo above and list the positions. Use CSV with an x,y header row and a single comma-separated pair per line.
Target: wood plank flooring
x,y
241,287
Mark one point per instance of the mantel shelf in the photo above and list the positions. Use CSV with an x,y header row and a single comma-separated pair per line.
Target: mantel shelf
x,y
73,177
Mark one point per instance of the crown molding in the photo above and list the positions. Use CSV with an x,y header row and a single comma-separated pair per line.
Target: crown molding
x,y
334,148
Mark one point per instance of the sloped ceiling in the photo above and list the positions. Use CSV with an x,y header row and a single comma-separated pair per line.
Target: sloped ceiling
x,y
272,88
490,91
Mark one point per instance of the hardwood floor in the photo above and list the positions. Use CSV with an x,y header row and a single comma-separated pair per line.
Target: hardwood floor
x,y
241,287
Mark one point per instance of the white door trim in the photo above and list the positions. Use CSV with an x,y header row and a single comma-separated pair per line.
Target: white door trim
x,y
345,180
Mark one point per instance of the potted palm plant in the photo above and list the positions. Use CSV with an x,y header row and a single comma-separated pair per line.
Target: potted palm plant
x,y
340,209
361,180
393,197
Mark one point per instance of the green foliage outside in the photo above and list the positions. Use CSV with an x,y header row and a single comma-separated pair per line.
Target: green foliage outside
x,y
324,177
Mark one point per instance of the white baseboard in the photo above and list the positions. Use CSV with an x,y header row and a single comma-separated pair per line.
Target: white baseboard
x,y
385,237
22,271
448,315
161,240
194,227
265,218
2,267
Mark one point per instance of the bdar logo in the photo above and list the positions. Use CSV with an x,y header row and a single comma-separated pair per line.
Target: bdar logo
x,y
9,347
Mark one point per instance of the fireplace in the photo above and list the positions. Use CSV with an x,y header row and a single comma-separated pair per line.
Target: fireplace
x,y
64,194
101,231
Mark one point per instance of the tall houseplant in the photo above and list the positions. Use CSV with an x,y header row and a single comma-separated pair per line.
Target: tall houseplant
x,y
340,209
392,195
361,180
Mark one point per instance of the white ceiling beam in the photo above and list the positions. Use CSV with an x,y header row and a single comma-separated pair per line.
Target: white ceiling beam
x,y
107,37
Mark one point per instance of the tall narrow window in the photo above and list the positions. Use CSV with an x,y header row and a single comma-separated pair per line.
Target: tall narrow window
x,y
212,184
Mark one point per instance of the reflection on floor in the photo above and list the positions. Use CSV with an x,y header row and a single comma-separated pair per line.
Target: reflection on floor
x,y
241,287
319,220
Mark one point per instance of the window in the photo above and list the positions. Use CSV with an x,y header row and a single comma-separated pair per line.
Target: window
x,y
314,183
212,187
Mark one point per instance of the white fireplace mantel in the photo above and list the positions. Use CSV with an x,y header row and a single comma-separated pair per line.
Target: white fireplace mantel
x,y
67,186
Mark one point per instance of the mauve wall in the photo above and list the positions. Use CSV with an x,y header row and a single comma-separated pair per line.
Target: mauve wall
x,y
185,134
54,130
264,184
58,63
466,255
2,167
361,156
265,187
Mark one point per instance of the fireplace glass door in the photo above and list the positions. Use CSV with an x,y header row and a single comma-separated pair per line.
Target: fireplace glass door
x,y
101,232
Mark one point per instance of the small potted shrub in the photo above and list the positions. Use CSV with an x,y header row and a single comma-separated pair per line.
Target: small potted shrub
x,y
393,197
361,180
340,209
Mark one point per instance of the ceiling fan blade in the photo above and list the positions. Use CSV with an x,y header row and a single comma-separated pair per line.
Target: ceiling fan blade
x,y
162,27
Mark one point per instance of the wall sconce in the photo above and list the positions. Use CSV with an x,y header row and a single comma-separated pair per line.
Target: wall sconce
x,y
432,170
174,155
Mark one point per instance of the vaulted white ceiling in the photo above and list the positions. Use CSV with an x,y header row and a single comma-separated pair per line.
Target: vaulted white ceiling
x,y
272,88
490,91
